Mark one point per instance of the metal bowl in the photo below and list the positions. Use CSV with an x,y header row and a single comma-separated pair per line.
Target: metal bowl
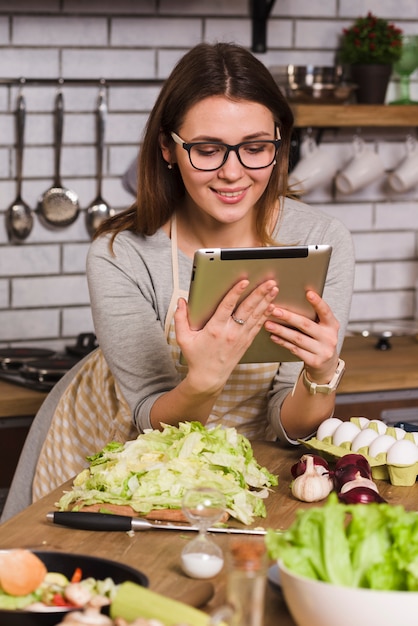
x,y
313,84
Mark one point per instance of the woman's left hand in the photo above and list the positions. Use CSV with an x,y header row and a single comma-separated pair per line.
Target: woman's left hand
x,y
313,342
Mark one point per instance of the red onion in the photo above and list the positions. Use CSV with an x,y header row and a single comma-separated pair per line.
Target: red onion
x,y
359,481
353,459
348,473
299,468
360,495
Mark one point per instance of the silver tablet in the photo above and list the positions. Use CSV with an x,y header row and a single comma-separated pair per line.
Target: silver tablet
x,y
295,269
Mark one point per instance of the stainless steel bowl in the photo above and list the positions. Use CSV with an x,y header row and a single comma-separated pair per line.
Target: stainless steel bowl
x,y
313,84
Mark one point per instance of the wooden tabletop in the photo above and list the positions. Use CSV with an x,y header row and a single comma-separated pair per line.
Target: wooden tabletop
x,y
369,369
157,552
17,401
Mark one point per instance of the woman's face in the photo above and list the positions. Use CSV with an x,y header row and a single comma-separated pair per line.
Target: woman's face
x,y
229,193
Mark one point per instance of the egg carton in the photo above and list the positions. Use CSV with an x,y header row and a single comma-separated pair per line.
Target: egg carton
x,y
397,471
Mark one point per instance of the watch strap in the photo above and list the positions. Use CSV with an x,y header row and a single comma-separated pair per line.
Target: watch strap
x,y
327,388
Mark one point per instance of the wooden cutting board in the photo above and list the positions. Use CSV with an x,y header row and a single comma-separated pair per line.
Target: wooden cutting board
x,y
166,515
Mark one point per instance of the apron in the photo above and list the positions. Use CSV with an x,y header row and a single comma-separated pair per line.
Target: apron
x,y
94,393
243,401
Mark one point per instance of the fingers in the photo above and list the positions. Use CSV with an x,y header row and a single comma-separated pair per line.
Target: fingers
x,y
313,341
254,309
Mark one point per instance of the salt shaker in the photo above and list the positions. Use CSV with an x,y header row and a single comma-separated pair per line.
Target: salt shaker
x,y
246,585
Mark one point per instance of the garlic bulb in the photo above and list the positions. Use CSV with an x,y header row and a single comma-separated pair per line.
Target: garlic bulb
x,y
311,486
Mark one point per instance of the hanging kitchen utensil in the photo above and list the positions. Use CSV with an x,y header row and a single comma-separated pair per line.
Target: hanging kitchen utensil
x,y
19,217
58,206
99,210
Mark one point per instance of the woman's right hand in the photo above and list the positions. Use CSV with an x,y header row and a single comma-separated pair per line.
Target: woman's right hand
x,y
214,351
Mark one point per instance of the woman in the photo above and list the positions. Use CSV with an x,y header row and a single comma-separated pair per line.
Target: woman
x,y
209,195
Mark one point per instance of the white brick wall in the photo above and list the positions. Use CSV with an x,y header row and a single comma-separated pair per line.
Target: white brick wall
x,y
43,291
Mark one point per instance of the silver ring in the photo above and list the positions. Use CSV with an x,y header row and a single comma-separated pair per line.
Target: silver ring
x,y
238,320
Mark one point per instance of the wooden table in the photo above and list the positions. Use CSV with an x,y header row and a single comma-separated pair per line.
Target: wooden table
x,y
157,552
17,401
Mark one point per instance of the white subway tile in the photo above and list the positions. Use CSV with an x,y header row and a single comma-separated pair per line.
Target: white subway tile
x,y
318,34
132,98
378,305
108,63
397,215
49,291
77,320
21,325
28,260
29,63
363,277
59,31
298,8
203,7
155,31
390,245
396,275
228,29
4,31
74,258
357,217
4,294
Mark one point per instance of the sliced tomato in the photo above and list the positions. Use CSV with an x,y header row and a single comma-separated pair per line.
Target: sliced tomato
x,y
77,575
59,600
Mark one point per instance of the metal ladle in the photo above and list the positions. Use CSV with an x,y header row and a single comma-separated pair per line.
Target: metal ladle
x,y
99,210
58,206
19,216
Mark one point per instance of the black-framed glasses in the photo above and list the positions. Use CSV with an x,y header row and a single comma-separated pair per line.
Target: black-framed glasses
x,y
211,155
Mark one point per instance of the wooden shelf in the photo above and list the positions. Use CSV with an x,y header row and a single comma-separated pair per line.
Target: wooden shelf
x,y
331,116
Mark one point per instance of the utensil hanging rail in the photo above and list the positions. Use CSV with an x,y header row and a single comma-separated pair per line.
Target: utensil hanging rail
x,y
108,82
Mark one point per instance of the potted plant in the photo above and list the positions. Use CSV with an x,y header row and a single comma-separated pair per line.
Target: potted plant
x,y
370,45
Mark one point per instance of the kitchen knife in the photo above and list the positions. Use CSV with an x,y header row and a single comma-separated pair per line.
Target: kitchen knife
x,y
109,522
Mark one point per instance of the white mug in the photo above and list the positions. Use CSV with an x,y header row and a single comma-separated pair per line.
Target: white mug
x,y
364,168
405,176
315,168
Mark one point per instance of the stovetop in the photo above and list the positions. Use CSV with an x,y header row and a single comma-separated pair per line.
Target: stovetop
x,y
41,369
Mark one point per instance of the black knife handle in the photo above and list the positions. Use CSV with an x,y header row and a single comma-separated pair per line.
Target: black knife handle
x,y
92,521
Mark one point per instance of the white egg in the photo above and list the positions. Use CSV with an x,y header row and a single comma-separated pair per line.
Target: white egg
x,y
403,452
363,422
363,439
382,443
381,426
399,432
328,428
345,433
415,436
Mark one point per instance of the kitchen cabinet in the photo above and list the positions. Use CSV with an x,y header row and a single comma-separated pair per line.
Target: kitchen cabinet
x,y
18,407
354,115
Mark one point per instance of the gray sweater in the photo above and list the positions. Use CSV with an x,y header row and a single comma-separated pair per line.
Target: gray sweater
x,y
131,289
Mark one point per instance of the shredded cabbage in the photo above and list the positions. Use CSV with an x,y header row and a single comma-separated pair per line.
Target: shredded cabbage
x,y
155,470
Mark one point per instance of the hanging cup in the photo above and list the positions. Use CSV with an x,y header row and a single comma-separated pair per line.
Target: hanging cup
x,y
364,168
314,169
405,175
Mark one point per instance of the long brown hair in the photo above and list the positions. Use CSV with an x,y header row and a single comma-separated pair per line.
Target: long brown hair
x,y
206,70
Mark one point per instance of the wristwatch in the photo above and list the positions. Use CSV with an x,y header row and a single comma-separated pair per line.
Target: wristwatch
x,y
314,388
